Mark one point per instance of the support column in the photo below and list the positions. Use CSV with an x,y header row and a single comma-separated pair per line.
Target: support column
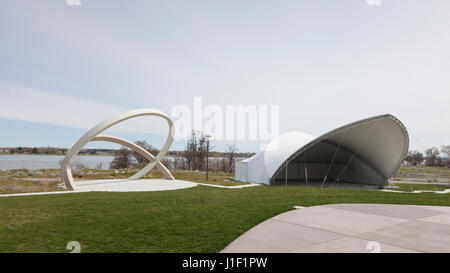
x,y
286,175
306,169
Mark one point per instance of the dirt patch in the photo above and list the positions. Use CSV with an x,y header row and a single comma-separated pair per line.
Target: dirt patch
x,y
22,185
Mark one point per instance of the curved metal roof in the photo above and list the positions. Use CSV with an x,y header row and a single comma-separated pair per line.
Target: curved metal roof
x,y
381,142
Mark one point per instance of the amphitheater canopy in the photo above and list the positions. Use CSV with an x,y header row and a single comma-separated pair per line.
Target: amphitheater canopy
x,y
368,151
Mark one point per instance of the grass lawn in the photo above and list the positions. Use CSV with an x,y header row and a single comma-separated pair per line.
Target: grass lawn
x,y
199,219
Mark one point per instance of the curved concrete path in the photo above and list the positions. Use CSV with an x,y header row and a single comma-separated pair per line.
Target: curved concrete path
x,y
119,185
351,228
126,185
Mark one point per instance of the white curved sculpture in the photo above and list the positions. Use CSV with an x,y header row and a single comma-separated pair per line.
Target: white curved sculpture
x,y
93,135
167,174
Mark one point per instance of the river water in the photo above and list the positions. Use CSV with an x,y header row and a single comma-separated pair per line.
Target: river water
x,y
33,162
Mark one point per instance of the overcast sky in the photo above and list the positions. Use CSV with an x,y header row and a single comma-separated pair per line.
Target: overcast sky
x,y
325,63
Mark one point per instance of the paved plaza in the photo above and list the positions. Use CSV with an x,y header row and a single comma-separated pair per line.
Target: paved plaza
x,y
351,228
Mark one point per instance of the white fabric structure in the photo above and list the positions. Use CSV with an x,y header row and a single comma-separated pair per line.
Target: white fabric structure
x,y
368,151
261,167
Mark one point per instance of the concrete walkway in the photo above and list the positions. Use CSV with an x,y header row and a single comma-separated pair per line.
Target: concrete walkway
x,y
351,228
419,191
416,182
231,187
125,185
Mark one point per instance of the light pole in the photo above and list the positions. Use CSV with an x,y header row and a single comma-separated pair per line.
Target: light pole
x,y
207,155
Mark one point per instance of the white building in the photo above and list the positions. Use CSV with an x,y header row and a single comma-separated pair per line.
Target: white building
x,y
368,151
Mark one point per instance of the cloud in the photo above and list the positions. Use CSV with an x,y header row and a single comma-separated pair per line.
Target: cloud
x,y
42,106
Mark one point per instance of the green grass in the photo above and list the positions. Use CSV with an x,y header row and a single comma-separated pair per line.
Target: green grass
x,y
199,219
417,187
215,178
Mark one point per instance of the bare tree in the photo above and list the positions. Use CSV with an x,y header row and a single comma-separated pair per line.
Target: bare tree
x,y
414,158
122,159
190,151
179,163
167,162
445,149
201,152
409,158
230,156
195,152
432,156
149,148
417,158
78,166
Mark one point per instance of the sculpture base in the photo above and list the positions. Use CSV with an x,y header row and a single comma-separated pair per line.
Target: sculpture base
x,y
126,185
118,185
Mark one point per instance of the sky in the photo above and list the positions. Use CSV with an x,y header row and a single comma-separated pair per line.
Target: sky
x,y
64,68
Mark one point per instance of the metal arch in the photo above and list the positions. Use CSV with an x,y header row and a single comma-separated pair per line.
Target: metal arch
x,y
66,171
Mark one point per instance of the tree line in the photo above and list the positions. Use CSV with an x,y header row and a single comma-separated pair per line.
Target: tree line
x,y
36,150
193,157
53,151
432,157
